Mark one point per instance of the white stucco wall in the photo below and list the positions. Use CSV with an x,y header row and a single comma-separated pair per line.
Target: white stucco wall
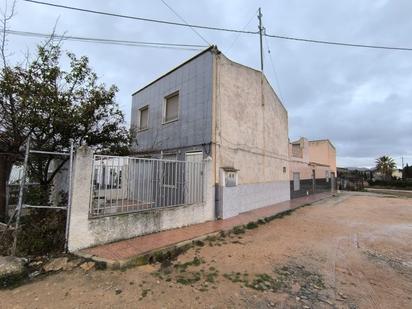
x,y
251,136
252,196
252,124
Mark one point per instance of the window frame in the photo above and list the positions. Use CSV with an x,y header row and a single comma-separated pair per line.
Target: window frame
x,y
146,107
173,94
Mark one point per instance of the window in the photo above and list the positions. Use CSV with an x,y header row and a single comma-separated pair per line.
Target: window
x,y
115,179
296,181
327,176
143,118
169,171
107,177
171,109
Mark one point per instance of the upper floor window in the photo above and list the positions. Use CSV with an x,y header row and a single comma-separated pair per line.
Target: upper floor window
x,y
171,109
144,118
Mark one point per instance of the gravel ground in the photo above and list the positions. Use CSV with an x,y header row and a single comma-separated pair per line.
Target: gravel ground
x,y
351,251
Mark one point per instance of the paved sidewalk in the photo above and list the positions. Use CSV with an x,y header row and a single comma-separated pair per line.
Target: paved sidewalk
x,y
126,252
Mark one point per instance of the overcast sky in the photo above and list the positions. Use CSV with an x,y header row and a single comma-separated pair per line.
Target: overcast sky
x,y
358,98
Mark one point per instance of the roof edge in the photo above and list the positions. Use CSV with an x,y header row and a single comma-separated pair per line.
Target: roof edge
x,y
264,77
210,48
323,140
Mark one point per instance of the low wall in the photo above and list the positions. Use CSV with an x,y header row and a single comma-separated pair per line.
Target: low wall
x,y
241,198
86,232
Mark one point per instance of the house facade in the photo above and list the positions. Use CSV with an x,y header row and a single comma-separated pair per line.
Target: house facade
x,y
212,142
312,167
211,107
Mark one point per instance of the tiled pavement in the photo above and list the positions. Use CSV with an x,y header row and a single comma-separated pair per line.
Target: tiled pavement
x,y
124,250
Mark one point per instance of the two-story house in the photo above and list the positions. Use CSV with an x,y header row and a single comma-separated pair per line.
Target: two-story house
x,y
212,107
312,167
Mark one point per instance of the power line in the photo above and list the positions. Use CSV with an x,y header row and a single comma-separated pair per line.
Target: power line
x,y
244,27
274,69
138,18
338,43
107,41
182,19
221,29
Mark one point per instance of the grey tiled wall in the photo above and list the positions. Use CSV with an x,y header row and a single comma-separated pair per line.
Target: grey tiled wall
x,y
194,83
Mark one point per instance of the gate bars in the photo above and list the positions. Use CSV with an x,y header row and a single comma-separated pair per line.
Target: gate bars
x,y
129,184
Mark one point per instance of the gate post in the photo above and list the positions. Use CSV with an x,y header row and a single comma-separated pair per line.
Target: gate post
x,y
79,215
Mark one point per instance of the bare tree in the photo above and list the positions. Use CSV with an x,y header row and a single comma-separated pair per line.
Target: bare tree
x,y
6,15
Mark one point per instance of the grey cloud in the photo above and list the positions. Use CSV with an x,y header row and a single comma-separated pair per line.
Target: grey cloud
x,y
358,98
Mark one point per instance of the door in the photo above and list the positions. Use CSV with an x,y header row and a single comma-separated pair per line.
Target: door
x,y
296,181
193,177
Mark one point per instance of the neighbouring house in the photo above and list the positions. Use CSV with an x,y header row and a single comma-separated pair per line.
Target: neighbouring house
x,y
312,167
210,106
58,188
397,173
378,175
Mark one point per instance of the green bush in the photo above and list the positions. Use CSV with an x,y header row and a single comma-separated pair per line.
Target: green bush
x,y
42,232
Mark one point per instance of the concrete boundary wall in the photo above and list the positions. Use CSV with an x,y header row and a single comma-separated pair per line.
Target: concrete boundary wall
x,y
245,197
86,232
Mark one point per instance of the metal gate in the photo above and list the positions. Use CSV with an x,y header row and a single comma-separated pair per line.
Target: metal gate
x,y
129,184
17,204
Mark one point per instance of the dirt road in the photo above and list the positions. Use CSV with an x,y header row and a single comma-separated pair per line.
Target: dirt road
x,y
351,251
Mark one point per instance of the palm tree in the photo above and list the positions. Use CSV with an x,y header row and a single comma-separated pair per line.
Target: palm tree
x,y
385,165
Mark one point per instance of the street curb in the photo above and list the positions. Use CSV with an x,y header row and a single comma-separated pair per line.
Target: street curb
x,y
179,247
146,257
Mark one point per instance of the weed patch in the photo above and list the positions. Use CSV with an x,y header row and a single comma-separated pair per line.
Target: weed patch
x,y
144,293
263,282
239,229
251,225
237,277
182,273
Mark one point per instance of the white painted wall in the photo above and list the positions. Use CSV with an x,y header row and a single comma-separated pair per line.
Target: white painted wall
x,y
252,124
251,136
247,197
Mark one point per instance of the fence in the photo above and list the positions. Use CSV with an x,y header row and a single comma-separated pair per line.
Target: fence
x,y
350,183
128,184
19,179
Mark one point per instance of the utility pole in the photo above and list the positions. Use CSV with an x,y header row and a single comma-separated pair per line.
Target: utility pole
x,y
260,36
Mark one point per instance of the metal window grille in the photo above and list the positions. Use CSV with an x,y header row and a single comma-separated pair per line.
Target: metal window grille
x,y
129,184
